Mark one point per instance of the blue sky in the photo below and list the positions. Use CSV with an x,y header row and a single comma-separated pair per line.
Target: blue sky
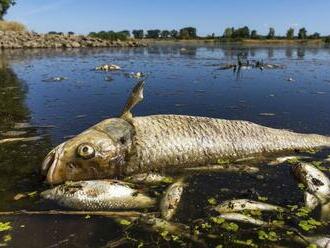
x,y
83,16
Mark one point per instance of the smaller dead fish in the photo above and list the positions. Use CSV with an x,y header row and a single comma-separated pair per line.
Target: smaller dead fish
x,y
98,195
315,181
242,218
160,225
148,178
108,67
171,199
27,139
322,242
281,160
13,133
238,205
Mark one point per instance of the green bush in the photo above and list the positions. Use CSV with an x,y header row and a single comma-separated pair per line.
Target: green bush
x,y
110,35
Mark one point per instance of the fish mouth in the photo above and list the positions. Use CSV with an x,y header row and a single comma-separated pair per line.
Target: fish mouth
x,y
51,166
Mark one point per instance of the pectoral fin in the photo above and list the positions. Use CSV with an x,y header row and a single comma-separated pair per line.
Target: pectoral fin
x,y
135,97
311,201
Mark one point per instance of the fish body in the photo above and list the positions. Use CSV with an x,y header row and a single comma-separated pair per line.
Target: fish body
x,y
238,205
130,145
116,147
148,178
242,218
171,199
98,195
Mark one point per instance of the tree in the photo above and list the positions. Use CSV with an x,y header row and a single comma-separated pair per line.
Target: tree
x,y
153,33
4,6
126,33
254,34
228,32
188,33
138,34
271,33
243,32
174,33
165,34
290,33
302,34
315,36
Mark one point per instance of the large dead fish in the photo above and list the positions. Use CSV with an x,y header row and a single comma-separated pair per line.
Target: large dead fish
x,y
98,195
130,145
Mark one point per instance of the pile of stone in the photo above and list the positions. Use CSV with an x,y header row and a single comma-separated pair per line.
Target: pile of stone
x,y
10,39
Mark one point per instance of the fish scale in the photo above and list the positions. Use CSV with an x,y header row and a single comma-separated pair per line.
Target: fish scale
x,y
178,140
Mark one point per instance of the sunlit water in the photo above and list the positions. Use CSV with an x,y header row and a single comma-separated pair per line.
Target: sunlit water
x,y
179,81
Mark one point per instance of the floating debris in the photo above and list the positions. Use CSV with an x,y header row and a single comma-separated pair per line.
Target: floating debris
x,y
108,78
171,199
19,196
13,133
108,67
238,205
290,79
267,114
98,195
137,75
55,79
148,178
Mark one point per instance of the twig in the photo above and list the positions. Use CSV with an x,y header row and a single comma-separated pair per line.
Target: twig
x,y
61,212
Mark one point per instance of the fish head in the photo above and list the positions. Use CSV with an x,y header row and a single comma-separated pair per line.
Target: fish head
x,y
96,153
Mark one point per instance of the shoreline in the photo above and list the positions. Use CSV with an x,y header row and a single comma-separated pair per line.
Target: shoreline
x,y
27,40
243,41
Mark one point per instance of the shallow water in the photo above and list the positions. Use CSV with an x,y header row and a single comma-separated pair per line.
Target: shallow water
x,y
179,81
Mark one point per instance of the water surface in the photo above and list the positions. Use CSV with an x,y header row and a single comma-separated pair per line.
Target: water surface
x,y
179,81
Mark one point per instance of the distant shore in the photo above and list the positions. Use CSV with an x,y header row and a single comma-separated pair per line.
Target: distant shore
x,y
17,40
240,41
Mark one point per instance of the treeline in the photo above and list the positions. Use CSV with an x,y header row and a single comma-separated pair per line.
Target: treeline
x,y
184,33
245,33
230,34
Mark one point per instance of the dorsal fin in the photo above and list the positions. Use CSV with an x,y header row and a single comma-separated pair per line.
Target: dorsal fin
x,y
135,97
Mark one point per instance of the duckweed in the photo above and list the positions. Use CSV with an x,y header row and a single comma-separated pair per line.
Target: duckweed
x,y
5,226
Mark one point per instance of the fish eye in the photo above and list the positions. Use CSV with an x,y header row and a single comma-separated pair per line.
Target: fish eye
x,y
86,151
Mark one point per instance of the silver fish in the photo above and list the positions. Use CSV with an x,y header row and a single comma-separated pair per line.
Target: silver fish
x,y
98,195
238,205
242,218
129,145
171,199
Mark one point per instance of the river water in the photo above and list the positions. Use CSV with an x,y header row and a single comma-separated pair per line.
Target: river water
x,y
181,79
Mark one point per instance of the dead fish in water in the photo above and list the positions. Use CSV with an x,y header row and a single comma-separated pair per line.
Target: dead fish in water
x,y
242,218
319,241
281,160
98,195
129,145
171,199
108,67
148,178
160,226
317,187
238,205
21,139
